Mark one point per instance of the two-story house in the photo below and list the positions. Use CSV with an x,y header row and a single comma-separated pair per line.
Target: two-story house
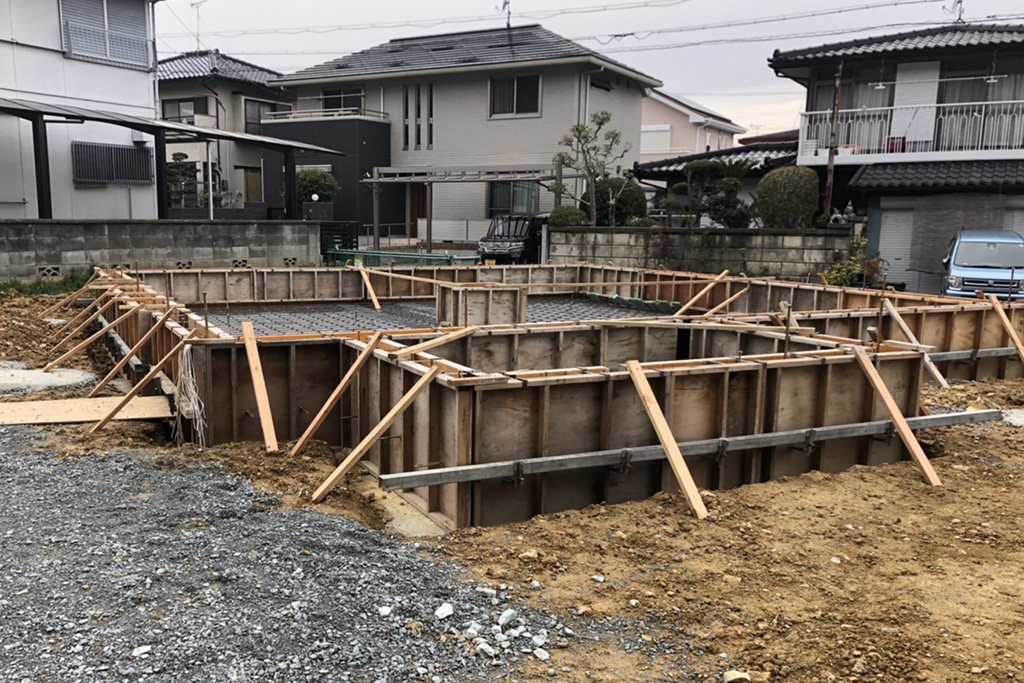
x,y
440,110
673,126
929,135
212,90
95,54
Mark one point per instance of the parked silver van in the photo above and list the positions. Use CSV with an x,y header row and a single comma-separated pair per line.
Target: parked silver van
x,y
989,261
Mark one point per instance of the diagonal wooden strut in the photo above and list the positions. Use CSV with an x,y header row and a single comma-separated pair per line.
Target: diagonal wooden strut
x,y
144,381
912,338
134,350
70,298
435,342
902,428
369,288
693,301
1008,326
339,390
259,386
84,344
668,441
725,304
385,424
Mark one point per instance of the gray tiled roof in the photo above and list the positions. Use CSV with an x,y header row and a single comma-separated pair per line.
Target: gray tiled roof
x,y
763,154
936,38
455,50
212,64
941,175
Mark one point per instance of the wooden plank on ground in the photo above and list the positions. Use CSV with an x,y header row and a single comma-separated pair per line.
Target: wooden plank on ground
x,y
693,301
371,438
1008,326
134,350
912,338
369,288
902,428
126,399
73,410
259,386
668,441
435,342
332,400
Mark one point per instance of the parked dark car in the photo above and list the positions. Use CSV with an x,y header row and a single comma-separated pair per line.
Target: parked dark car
x,y
513,238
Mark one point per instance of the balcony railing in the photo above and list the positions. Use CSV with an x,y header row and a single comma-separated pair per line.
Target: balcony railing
x,y
109,47
343,112
961,130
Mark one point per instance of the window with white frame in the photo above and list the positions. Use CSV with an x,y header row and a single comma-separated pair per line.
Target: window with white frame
x,y
110,31
347,99
515,96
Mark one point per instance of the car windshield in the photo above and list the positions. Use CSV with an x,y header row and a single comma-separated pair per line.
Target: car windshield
x,y
515,227
990,255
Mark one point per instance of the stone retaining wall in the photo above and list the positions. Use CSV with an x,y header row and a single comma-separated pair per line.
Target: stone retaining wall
x,y
51,248
779,253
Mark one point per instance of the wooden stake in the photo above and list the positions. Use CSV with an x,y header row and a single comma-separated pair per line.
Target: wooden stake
x,y
912,338
693,302
144,381
902,428
369,288
359,451
1008,326
70,324
725,304
259,386
81,345
668,441
435,342
70,298
336,395
134,350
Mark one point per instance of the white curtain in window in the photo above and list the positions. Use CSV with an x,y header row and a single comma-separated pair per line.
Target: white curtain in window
x,y
503,96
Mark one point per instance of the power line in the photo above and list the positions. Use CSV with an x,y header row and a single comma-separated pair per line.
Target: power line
x,y
606,38
190,33
539,15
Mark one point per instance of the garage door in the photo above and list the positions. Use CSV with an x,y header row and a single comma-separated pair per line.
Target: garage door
x,y
894,247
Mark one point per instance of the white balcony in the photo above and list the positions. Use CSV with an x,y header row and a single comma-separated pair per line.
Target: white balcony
x,y
108,47
933,132
340,113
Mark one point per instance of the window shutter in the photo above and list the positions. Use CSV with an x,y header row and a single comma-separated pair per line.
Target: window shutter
x,y
84,26
126,21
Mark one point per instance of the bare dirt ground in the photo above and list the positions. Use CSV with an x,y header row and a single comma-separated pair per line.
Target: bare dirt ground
x,y
868,575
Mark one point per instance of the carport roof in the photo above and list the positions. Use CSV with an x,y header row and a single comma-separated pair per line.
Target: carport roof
x,y
174,130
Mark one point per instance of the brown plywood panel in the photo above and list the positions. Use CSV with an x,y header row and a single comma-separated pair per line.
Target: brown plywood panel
x,y
579,349
317,371
574,422
624,344
630,425
536,352
696,407
508,424
490,353
661,345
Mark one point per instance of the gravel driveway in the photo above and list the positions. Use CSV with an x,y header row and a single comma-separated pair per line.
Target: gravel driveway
x,y
114,569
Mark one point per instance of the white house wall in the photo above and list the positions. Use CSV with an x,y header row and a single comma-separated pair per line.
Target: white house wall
x,y
33,67
465,136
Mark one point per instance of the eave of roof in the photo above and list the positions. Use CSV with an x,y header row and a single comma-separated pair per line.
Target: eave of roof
x,y
763,153
691,108
964,176
948,37
212,64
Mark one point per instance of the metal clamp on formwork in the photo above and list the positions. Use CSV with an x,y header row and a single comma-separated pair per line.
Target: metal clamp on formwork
x,y
625,462
723,448
811,441
518,477
889,435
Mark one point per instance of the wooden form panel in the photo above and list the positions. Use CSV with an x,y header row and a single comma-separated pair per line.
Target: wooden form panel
x,y
461,307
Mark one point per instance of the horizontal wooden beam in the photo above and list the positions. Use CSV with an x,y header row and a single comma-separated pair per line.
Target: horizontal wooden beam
x,y
706,447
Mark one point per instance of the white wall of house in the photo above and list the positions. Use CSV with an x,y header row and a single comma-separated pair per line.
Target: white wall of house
x,y
466,135
668,132
33,66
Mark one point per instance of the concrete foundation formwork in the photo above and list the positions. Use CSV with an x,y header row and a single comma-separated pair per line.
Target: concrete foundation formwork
x,y
556,394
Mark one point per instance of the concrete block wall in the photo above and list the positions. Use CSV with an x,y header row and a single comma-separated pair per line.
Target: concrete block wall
x,y
786,254
34,248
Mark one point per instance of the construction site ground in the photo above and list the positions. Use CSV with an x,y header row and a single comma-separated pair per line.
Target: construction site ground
x,y
866,575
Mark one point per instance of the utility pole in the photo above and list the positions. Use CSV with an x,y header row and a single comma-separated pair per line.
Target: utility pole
x,y
197,5
833,142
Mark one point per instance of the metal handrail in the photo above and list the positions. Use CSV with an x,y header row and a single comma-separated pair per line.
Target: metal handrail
x,y
915,129
341,112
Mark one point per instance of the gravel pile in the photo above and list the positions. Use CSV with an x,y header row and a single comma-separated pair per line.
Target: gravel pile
x,y
115,569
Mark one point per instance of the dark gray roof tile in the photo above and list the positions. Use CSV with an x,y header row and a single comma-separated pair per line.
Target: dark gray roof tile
x,y
212,64
454,50
942,175
935,38
764,154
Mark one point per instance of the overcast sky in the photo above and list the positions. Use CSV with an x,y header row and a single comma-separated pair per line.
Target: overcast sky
x,y
731,78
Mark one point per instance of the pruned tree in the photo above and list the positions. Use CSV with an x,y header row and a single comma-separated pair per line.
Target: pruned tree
x,y
181,179
592,149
